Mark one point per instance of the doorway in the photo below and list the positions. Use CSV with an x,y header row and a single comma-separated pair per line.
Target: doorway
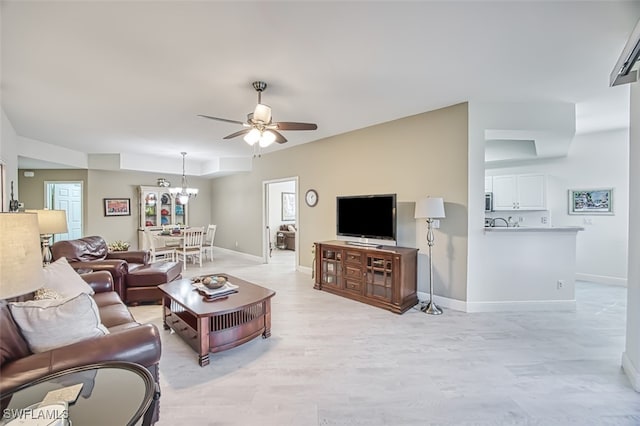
x,y
66,196
280,222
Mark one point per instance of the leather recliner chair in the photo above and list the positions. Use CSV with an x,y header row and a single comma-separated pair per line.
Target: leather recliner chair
x,y
134,278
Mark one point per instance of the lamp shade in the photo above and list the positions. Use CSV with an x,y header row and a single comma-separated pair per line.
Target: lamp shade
x,y
430,207
51,221
20,256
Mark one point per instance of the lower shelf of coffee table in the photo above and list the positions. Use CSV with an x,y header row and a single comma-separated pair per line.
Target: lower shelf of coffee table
x,y
217,332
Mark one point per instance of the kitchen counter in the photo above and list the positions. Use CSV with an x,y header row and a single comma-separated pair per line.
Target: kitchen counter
x,y
525,269
534,229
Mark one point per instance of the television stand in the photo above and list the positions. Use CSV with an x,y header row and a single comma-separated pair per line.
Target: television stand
x,y
386,278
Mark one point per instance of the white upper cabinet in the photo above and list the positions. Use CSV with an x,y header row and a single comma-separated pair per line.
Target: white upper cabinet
x,y
519,192
488,184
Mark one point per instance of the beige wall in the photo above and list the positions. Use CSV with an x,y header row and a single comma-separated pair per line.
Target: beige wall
x,y
32,188
99,184
421,155
416,156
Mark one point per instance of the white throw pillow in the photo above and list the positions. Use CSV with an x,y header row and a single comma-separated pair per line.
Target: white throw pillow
x,y
52,323
61,277
291,228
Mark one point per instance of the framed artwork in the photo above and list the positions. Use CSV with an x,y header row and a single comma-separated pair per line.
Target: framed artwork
x,y
117,207
288,206
591,201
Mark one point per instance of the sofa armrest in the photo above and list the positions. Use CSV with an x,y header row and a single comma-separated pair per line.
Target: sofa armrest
x,y
139,344
100,281
135,256
117,268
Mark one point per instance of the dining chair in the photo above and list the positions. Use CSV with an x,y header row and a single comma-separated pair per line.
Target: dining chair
x,y
207,246
191,245
158,254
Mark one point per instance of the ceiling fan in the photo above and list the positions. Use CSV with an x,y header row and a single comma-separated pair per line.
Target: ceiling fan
x,y
259,127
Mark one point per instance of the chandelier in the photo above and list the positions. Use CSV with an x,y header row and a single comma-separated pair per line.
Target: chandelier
x,y
184,193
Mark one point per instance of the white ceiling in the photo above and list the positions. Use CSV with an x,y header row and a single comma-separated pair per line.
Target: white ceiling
x,y
131,76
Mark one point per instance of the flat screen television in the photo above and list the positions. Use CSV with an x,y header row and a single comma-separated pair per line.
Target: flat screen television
x,y
367,216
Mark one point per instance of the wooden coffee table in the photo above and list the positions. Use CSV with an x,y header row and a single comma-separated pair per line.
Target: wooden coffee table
x,y
214,326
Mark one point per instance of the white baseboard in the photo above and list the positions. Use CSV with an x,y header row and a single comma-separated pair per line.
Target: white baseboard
x,y
522,306
602,279
631,372
502,306
305,269
444,302
239,253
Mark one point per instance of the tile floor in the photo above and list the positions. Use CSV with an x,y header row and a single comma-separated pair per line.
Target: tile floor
x,y
333,361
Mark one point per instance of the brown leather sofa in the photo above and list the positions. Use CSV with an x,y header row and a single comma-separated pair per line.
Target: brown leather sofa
x,y
289,240
134,278
127,340
286,237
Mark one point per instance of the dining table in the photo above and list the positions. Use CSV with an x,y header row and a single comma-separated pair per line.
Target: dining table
x,y
169,239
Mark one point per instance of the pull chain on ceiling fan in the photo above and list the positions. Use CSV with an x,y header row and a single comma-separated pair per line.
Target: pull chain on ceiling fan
x,y
259,125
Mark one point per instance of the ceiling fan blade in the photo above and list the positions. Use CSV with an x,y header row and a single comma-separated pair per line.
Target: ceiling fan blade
x,y
238,133
221,119
289,125
279,137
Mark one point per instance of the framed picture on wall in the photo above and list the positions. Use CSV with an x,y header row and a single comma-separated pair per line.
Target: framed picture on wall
x,y
288,206
591,201
117,207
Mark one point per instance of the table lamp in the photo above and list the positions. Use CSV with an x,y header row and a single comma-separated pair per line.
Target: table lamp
x,y
20,258
430,208
50,222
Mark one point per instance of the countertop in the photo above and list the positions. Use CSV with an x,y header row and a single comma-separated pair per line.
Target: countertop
x,y
534,229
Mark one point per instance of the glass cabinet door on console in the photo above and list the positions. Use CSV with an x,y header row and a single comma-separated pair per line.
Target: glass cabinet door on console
x,y
331,271
379,277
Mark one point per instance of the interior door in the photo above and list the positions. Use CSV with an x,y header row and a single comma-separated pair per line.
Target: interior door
x,y
67,196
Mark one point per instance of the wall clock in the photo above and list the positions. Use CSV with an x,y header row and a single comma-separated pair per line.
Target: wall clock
x,y
311,197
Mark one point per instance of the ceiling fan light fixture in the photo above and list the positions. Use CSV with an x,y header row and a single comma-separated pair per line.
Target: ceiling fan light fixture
x,y
259,126
267,139
262,113
252,137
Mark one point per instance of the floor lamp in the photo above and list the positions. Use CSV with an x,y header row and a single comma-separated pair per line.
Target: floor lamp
x,y
49,222
430,208
20,259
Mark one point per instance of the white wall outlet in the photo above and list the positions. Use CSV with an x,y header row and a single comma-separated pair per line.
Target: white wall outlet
x,y
587,221
520,219
236,244
560,284
436,223
544,220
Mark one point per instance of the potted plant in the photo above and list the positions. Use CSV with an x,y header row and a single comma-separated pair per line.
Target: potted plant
x,y
118,246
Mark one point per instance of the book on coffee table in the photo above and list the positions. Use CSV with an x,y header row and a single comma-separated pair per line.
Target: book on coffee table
x,y
211,293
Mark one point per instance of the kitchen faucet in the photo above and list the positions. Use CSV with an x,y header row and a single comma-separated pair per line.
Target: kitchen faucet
x,y
492,222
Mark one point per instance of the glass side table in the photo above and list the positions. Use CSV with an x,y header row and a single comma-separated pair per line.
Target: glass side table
x,y
113,393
